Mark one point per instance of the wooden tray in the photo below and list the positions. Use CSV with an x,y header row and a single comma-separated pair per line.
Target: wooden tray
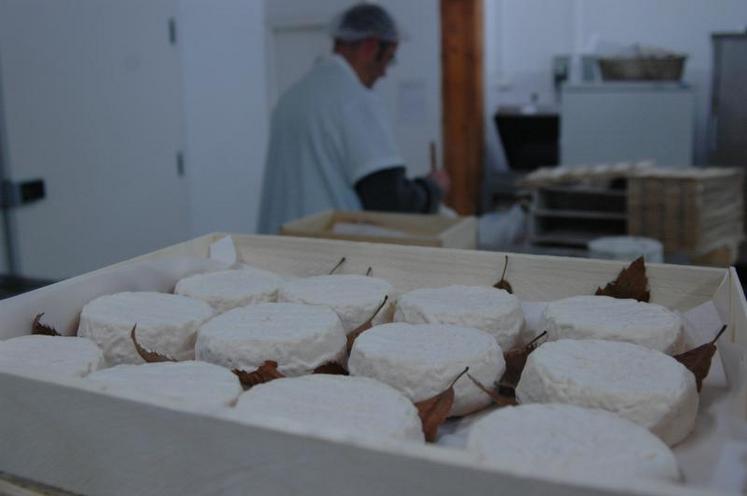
x,y
89,443
411,229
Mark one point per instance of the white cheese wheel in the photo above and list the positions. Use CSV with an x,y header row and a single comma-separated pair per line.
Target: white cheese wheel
x,y
192,386
492,310
166,324
353,297
566,440
643,385
355,407
627,248
422,360
50,356
298,337
603,317
228,289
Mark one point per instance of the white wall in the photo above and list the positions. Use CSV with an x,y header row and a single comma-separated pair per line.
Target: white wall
x,y
226,111
412,88
523,35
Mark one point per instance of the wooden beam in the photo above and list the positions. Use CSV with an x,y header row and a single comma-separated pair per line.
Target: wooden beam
x,y
462,96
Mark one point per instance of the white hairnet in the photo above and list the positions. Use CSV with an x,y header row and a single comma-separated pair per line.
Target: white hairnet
x,y
363,21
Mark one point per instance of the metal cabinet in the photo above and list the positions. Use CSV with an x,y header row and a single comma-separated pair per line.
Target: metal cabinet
x,y
728,139
627,121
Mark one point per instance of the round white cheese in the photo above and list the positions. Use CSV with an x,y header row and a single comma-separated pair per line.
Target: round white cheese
x,y
357,407
298,337
50,356
603,317
556,439
643,385
492,310
193,386
166,324
228,289
422,360
626,248
353,297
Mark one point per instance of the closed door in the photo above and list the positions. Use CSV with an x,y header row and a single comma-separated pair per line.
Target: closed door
x,y
92,105
293,49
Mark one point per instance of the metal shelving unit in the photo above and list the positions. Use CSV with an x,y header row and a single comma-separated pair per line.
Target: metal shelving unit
x,y
572,216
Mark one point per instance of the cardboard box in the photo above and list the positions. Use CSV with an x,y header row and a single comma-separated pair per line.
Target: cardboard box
x,y
82,441
381,227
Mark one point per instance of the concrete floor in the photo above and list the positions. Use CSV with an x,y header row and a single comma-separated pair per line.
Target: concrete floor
x,y
11,285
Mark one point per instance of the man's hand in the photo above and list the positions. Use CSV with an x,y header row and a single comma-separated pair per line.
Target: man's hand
x,y
442,179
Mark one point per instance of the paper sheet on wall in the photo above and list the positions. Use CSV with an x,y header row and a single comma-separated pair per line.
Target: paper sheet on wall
x,y
411,102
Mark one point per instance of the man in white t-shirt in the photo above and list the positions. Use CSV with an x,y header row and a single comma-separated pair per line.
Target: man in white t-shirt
x,y
331,143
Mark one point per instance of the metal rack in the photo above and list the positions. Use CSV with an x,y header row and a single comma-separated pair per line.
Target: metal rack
x,y
571,216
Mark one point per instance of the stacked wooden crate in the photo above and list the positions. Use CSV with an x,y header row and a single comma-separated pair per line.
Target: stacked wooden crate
x,y
695,211
574,205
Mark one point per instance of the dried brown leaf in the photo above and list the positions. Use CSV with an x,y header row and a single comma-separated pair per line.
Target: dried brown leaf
x,y
333,368
631,282
264,373
507,391
515,359
698,360
498,398
364,326
342,261
433,411
45,330
148,356
503,283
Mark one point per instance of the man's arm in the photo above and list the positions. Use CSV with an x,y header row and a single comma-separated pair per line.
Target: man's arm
x,y
389,190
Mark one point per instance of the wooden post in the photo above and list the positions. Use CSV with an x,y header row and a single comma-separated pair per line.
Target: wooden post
x,y
462,95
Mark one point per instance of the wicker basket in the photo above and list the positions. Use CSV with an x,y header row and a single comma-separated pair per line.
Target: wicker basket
x,y
669,68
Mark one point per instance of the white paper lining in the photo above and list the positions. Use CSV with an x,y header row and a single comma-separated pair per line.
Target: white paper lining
x,y
224,251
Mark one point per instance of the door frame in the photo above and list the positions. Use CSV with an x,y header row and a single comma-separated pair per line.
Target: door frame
x,y
10,243
462,90
277,27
